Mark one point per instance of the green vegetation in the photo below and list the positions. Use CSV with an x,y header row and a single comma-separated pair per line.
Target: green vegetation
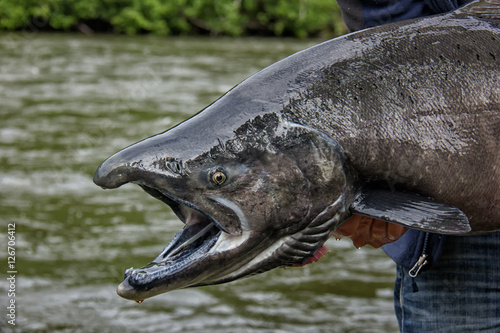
x,y
299,18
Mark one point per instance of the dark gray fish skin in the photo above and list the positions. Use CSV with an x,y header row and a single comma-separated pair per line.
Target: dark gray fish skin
x,y
417,105
263,175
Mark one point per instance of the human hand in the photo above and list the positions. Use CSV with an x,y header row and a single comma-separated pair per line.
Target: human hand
x,y
367,230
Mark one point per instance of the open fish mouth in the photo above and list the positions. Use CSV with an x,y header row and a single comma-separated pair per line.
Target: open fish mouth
x,y
191,244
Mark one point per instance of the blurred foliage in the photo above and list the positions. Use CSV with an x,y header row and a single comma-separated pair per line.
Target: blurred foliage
x,y
299,18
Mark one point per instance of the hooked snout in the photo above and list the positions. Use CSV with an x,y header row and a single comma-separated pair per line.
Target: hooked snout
x,y
142,162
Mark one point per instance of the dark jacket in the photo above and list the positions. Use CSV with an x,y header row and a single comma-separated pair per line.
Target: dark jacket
x,y
361,14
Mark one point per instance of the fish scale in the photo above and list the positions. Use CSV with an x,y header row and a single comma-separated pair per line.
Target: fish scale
x,y
398,122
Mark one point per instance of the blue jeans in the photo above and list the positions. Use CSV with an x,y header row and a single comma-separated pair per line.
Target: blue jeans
x,y
460,293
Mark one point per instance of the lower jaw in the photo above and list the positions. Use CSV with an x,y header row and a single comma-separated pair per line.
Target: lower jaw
x,y
154,278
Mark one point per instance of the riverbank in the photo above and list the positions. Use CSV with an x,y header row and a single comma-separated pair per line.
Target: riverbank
x,y
298,18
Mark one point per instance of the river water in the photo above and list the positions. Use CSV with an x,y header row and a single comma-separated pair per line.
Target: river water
x,y
68,102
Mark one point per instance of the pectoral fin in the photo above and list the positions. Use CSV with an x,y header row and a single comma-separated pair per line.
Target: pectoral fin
x,y
411,210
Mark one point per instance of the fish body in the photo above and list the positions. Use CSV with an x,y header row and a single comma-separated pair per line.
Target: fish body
x,y
399,122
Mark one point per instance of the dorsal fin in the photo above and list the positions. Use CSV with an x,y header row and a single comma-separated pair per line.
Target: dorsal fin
x,y
486,9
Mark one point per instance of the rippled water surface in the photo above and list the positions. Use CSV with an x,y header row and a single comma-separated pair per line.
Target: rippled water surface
x,y
70,101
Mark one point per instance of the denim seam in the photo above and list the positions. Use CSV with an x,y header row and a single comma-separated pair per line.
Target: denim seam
x,y
401,301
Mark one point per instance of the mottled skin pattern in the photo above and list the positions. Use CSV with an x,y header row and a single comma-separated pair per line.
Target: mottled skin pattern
x,y
411,106
419,108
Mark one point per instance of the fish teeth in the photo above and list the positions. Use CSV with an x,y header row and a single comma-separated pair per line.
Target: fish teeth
x,y
128,272
145,275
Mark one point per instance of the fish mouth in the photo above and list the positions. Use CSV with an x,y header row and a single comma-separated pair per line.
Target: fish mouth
x,y
205,253
190,245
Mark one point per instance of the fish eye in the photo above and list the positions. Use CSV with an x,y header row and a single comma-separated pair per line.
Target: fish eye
x,y
219,177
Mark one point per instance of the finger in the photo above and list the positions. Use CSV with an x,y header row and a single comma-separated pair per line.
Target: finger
x,y
395,231
362,234
349,227
378,233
